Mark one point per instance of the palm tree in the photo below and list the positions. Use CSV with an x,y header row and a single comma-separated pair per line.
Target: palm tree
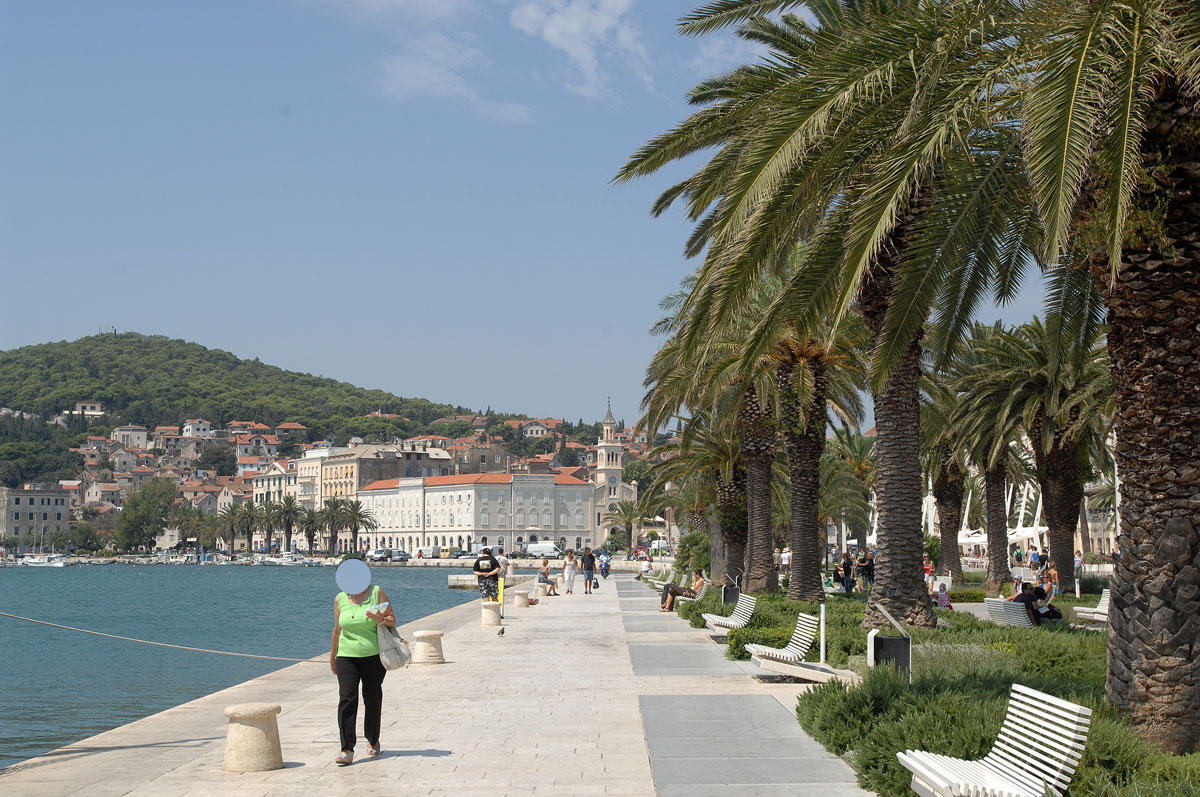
x,y
228,520
265,522
332,518
287,515
355,517
947,463
1059,392
249,517
858,451
627,516
310,524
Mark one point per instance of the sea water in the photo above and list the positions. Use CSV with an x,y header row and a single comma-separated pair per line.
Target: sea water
x,y
59,686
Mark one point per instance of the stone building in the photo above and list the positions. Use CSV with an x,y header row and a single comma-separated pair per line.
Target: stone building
x,y
32,512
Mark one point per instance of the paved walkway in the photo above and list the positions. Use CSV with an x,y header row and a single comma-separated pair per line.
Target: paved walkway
x,y
583,694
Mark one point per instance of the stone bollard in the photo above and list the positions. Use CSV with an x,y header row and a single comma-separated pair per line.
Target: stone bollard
x,y
491,613
252,738
543,589
521,599
561,580
427,648
512,571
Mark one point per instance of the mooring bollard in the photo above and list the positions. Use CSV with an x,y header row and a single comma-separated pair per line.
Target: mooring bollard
x,y
427,647
491,613
252,738
512,571
543,589
521,599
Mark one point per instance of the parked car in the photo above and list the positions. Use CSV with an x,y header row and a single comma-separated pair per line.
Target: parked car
x,y
378,555
401,556
464,555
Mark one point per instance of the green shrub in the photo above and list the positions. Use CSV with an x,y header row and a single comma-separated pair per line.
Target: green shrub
x,y
973,577
774,636
967,596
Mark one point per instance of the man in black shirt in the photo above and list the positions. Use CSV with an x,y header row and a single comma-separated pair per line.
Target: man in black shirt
x,y
588,561
487,572
1027,597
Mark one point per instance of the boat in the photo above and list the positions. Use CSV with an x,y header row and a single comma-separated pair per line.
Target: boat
x,y
44,560
284,560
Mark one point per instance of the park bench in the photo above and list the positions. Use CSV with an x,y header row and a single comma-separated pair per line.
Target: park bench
x,y
1036,753
1004,612
797,648
703,591
741,615
1094,614
662,577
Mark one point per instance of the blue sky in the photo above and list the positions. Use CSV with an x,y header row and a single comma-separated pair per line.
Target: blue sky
x,y
405,194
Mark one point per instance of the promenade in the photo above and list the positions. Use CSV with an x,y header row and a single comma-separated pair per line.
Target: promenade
x,y
584,694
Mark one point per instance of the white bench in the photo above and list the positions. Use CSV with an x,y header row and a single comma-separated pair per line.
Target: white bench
x,y
1004,612
1096,614
1037,751
741,615
656,580
797,648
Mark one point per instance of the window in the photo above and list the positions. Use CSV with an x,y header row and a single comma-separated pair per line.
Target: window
x,y
521,517
17,501
59,516
483,459
562,519
579,518
16,515
484,517
546,517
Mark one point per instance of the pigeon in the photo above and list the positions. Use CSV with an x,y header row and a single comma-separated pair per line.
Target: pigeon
x,y
500,632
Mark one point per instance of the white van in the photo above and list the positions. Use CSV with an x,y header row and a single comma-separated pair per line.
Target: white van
x,y
428,552
543,550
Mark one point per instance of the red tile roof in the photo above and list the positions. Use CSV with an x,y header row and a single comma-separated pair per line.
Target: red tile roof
x,y
382,484
291,425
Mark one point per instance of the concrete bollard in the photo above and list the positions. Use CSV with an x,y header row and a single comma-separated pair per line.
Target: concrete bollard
x,y
252,738
543,589
512,570
521,599
561,580
491,613
427,647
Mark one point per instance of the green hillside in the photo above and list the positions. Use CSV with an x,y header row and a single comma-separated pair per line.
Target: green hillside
x,y
153,380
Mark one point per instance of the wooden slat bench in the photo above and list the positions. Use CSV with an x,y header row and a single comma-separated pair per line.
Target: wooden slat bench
x,y
1094,614
1036,753
1004,612
797,648
741,615
703,591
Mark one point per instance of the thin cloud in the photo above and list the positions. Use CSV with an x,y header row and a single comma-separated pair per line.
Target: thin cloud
x,y
721,53
585,30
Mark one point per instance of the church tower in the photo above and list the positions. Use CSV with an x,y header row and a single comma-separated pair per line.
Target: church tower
x,y
608,461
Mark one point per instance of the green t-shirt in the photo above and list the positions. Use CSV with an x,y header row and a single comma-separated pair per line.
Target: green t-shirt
x,y
360,635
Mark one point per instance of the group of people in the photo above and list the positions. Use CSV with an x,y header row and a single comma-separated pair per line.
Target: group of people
x,y
852,571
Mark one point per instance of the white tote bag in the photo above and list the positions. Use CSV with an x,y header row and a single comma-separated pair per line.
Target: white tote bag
x,y
393,651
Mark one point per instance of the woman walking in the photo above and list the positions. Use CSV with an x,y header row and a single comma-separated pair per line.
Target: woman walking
x,y
354,659
570,566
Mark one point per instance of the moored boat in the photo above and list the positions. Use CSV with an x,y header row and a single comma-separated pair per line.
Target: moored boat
x,y
44,560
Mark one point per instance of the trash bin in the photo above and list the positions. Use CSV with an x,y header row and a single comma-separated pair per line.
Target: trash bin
x,y
730,593
893,650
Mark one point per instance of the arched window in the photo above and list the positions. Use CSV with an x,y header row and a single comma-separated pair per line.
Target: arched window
x,y
562,543
579,542
484,517
460,541
532,538
483,541
520,517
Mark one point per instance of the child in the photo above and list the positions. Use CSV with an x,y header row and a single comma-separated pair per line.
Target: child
x,y
943,597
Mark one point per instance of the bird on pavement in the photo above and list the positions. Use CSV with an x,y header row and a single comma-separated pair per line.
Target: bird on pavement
x,y
500,632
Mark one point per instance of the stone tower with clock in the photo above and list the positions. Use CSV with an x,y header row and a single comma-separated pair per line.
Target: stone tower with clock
x,y
610,489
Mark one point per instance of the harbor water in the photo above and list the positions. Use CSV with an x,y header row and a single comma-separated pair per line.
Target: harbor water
x,y
60,686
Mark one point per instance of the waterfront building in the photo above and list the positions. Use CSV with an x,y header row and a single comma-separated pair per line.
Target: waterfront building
x,y
272,483
505,509
609,487
32,512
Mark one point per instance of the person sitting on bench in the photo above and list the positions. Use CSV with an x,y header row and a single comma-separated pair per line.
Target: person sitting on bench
x,y
674,591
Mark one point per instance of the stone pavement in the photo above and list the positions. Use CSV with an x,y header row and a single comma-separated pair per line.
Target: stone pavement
x,y
584,694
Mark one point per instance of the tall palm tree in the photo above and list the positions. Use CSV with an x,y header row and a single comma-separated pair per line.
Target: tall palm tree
x,y
947,462
229,519
333,520
858,451
356,517
1059,394
310,524
286,516
627,515
265,522
250,519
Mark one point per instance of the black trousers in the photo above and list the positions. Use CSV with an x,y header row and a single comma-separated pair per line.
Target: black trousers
x,y
368,671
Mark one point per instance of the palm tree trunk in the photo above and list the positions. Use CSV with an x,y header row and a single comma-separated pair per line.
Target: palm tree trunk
x,y
803,443
997,529
1154,340
899,580
756,439
1062,498
287,536
731,515
354,540
948,493
716,550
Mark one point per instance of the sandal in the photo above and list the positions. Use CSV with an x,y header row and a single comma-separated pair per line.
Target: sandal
x,y
345,758
372,750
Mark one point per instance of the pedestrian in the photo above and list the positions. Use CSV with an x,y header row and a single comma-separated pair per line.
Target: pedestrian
x,y
785,560
1033,559
487,573
570,565
869,571
646,568
502,560
860,566
927,566
847,573
588,562
544,578
354,659
1078,564
777,558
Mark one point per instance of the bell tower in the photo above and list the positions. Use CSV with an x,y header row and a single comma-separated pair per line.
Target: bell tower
x,y
608,459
